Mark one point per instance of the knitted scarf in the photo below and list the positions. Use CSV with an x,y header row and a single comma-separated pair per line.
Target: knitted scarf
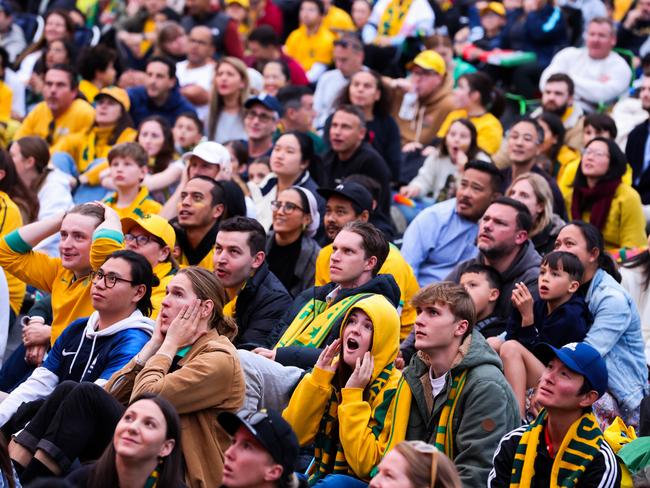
x,y
315,321
444,432
383,396
391,20
579,447
598,199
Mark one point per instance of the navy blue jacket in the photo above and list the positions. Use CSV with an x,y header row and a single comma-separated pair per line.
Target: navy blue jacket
x,y
142,106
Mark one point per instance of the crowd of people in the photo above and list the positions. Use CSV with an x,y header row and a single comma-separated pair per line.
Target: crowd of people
x,y
284,243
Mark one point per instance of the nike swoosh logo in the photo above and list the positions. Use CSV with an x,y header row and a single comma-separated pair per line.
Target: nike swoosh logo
x,y
67,353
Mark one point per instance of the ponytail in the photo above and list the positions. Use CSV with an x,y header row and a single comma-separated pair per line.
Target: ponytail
x,y
492,98
594,240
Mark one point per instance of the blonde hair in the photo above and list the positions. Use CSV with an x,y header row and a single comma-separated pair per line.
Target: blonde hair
x,y
420,466
216,102
206,286
543,194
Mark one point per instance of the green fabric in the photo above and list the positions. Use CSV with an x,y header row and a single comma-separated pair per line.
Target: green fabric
x,y
184,351
16,243
116,235
636,454
462,68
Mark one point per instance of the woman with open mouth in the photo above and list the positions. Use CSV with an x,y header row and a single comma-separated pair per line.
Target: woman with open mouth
x,y
354,405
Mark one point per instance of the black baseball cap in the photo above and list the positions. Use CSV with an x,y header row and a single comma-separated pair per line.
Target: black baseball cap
x,y
271,430
350,190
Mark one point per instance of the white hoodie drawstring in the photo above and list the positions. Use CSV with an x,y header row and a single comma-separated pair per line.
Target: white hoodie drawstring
x,y
90,358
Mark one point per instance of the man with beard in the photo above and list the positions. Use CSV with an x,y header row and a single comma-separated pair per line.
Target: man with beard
x,y
503,244
525,138
444,234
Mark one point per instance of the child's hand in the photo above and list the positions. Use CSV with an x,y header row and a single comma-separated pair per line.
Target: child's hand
x,y
362,372
523,301
328,355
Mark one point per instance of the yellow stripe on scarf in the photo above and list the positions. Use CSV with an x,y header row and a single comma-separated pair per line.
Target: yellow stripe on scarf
x,y
445,432
393,17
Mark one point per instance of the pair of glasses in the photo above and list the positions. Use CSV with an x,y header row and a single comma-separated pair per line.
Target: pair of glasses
x,y
288,207
110,279
425,448
262,117
141,240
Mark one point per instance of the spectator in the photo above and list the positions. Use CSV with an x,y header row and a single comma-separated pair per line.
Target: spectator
x,y
312,43
224,30
476,98
634,278
360,13
441,380
351,154
444,234
503,244
336,19
559,317
600,197
636,150
437,179
83,155
600,75
257,299
187,131
359,251
260,120
391,23
52,187
276,76
274,447
525,139
160,95
483,283
574,378
229,92
337,405
534,191
352,202
298,114
109,338
367,91
158,457
196,73
348,59
171,41
422,103
61,113
128,166
616,329
265,45
441,43
411,464
554,154
96,66
633,31
12,38
291,250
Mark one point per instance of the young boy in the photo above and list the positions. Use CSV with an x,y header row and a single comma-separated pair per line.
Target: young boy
x,y
483,283
558,317
187,132
563,446
461,401
128,166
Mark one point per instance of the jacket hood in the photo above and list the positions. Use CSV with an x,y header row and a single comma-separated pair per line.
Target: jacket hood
x,y
445,90
386,328
134,321
381,284
527,258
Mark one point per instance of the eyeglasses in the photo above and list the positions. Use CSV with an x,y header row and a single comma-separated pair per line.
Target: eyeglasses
x,y
262,117
288,207
141,240
595,153
425,448
110,279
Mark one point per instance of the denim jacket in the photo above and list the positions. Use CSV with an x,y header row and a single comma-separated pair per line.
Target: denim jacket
x,y
616,335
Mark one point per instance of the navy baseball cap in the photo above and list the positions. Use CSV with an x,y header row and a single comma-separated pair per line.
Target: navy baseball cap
x,y
350,190
271,430
268,101
581,358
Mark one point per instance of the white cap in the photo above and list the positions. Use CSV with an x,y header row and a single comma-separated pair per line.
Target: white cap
x,y
212,153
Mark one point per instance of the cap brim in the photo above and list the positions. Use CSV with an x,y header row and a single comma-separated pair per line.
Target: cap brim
x,y
128,223
231,424
545,352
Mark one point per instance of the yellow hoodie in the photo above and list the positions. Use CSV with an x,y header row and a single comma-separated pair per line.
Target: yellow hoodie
x,y
354,428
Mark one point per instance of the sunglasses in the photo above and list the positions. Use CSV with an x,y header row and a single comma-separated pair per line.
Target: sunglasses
x,y
425,448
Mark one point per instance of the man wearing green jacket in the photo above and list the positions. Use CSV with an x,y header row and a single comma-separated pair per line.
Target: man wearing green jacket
x,y
462,402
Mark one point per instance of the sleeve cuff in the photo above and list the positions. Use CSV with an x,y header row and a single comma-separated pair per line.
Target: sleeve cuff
x,y
109,234
16,242
351,395
322,377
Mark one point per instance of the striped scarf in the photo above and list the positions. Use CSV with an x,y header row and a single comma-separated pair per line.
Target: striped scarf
x,y
315,320
579,447
384,401
445,432
393,17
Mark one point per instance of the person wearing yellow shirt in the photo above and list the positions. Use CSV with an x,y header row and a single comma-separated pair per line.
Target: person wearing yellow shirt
x,y
83,155
150,236
352,202
61,112
336,19
128,167
477,99
66,278
311,44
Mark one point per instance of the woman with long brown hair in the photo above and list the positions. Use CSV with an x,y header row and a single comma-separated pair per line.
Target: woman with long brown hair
x,y
229,92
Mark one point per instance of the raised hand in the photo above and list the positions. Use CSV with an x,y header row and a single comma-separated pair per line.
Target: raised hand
x,y
362,372
327,357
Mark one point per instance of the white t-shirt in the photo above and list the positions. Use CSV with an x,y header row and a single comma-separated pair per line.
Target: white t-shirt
x,y
202,77
437,384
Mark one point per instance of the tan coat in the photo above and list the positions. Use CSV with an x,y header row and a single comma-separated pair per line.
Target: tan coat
x,y
430,115
209,381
